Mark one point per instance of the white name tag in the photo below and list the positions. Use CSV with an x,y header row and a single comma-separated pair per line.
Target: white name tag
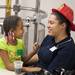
x,y
53,48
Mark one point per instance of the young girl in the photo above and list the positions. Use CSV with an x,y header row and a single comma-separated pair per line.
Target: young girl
x,y
10,43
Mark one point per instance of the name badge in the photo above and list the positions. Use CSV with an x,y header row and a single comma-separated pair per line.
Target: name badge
x,y
53,48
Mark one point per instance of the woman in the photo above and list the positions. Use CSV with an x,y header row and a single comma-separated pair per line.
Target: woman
x,y
60,51
10,43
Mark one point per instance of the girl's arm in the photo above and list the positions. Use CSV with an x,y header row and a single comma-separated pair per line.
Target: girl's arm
x,y
31,69
31,56
5,57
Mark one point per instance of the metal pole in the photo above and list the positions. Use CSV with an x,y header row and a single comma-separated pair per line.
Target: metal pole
x,y
27,36
35,30
37,19
16,2
16,7
8,8
27,39
37,5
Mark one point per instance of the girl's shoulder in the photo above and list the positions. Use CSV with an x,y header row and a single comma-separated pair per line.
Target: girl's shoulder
x,y
3,43
20,41
2,40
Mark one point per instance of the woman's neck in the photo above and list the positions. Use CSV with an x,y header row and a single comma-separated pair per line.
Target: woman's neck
x,y
60,38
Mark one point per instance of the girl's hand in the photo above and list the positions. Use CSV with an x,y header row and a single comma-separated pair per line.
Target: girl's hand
x,y
35,47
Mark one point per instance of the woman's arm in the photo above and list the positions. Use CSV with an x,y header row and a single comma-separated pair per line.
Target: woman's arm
x,y
5,57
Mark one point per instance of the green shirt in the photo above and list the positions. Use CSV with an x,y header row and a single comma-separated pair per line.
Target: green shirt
x,y
11,49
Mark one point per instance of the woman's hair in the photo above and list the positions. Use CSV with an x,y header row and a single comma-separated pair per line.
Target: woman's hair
x,y
9,23
62,19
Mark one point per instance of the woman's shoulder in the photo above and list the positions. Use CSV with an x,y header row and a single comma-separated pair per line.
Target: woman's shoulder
x,y
68,45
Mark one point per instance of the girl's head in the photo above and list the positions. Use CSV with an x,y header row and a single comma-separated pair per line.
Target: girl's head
x,y
13,25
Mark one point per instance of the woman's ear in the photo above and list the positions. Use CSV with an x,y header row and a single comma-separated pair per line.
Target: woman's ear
x,y
64,26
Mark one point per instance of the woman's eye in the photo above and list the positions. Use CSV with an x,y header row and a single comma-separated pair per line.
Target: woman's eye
x,y
50,22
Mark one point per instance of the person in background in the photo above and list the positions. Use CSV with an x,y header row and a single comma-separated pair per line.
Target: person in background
x,y
10,43
59,52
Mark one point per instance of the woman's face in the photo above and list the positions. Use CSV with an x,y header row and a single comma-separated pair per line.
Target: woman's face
x,y
54,27
19,29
